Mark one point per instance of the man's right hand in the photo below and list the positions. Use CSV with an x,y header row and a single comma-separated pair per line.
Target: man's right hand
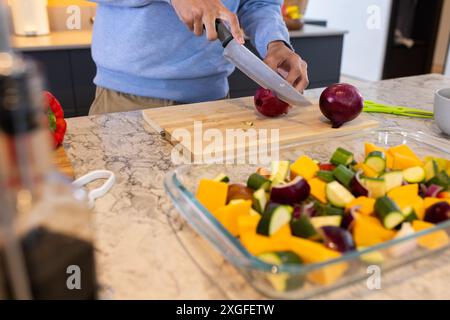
x,y
198,13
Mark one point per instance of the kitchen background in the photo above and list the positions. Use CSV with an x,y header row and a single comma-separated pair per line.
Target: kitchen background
x,y
342,40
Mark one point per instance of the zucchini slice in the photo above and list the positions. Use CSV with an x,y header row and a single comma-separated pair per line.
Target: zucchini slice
x,y
338,195
441,179
388,212
376,160
375,186
328,210
342,156
222,177
431,169
280,171
256,181
273,219
392,179
326,176
414,175
344,175
260,200
303,228
326,221
409,214
283,282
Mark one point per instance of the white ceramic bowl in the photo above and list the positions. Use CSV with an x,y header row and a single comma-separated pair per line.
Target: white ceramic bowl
x,y
442,109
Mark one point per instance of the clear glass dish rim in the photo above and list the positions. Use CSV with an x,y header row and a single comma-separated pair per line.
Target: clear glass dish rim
x,y
248,261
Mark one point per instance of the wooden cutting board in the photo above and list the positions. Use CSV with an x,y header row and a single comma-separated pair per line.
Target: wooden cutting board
x,y
62,163
301,123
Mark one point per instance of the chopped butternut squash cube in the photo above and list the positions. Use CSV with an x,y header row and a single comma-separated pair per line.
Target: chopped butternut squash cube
x,y
365,205
304,167
229,215
212,194
432,241
318,188
368,231
370,147
402,194
248,223
367,171
404,150
313,252
402,162
257,244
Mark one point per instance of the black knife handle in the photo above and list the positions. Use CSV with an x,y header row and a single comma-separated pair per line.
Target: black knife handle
x,y
223,33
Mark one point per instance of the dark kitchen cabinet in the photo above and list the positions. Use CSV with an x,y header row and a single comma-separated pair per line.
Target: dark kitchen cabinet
x,y
417,20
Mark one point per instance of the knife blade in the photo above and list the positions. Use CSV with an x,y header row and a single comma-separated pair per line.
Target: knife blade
x,y
256,69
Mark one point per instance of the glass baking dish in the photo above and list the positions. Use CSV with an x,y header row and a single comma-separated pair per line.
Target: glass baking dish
x,y
181,184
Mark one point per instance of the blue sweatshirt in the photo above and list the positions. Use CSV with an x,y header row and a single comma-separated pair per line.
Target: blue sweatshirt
x,y
141,47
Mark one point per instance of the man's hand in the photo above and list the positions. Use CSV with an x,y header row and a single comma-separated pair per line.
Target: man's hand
x,y
198,13
281,58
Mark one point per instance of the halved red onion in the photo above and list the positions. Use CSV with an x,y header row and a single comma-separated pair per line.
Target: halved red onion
x,y
337,239
433,191
291,193
357,186
437,213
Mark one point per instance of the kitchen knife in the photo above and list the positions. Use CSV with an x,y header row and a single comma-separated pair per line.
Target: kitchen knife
x,y
256,69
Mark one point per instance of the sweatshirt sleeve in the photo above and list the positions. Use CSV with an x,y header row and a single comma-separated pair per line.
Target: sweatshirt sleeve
x,y
263,23
129,3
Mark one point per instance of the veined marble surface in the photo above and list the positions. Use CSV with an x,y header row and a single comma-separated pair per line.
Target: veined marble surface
x,y
145,250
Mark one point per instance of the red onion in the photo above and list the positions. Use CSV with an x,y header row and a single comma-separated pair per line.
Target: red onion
x,y
337,239
437,213
433,191
357,186
293,192
268,104
341,103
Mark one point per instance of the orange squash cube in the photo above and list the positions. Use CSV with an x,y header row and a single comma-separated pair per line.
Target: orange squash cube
x,y
212,194
433,240
304,167
229,215
365,205
318,188
313,252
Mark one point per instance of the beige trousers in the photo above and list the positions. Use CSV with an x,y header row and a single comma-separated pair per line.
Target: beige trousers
x,y
107,101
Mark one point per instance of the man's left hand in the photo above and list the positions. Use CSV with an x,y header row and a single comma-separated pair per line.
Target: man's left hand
x,y
280,57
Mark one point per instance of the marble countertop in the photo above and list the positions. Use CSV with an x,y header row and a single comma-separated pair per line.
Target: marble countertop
x,y
82,39
145,250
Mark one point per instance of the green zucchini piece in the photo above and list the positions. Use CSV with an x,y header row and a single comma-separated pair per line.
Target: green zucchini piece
x,y
302,227
392,179
283,282
328,210
375,186
326,221
222,177
414,175
260,200
326,176
256,181
273,219
376,160
280,171
441,179
338,195
388,212
344,175
431,169
342,156
409,214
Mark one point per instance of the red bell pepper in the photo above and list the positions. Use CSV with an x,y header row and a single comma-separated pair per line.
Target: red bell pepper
x,y
55,114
